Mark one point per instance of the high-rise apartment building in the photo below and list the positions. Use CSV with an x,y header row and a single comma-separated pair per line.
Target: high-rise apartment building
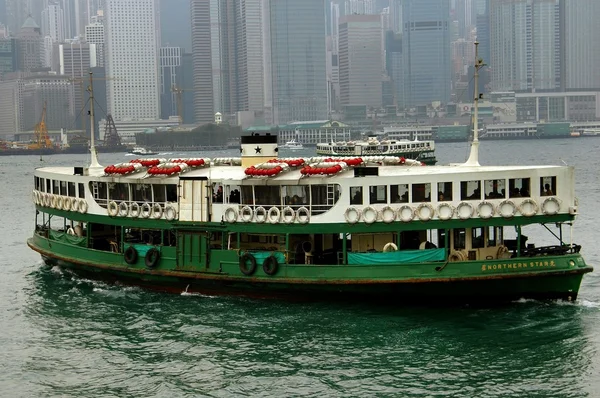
x,y
426,51
352,7
94,34
360,60
131,59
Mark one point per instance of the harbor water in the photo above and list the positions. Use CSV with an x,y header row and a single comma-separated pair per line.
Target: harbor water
x,y
64,336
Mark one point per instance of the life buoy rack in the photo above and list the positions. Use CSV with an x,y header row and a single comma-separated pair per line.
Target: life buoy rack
x,y
83,206
288,215
388,214
352,215
528,207
192,162
324,168
464,210
390,247
246,214
148,162
247,264
131,255
231,214
406,213
168,169
112,208
260,214
370,215
134,209
123,168
507,208
425,212
152,258
266,169
170,212
75,204
485,210
123,209
445,211
456,256
145,210
551,206
303,215
274,215
67,204
290,162
270,265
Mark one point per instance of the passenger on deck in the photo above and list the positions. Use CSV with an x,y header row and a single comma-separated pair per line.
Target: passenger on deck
x,y
515,193
440,196
494,194
476,194
547,191
218,197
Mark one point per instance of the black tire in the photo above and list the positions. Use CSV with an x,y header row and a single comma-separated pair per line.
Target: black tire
x,y
270,265
152,258
247,264
131,255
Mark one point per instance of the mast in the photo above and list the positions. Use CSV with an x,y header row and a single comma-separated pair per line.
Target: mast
x,y
474,154
94,157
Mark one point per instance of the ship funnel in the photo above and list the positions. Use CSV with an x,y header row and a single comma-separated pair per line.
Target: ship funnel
x,y
258,148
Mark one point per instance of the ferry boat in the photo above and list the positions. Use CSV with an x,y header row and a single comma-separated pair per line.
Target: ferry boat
x,y
420,150
382,227
141,151
292,145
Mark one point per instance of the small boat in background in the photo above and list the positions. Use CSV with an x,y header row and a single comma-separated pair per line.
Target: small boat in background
x,y
292,145
138,150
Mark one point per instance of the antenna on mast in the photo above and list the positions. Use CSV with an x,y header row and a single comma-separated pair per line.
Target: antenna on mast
x,y
94,157
474,154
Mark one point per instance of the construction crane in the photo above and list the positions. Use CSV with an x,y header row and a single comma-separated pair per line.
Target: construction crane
x,y
179,96
42,140
82,81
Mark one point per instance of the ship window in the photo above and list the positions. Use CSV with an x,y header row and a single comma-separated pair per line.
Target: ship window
x,y
459,238
477,239
99,192
421,192
318,199
71,188
118,192
81,190
399,193
267,195
547,186
159,193
444,191
494,236
441,239
48,186
141,193
495,189
55,189
247,196
470,190
232,193
294,195
63,188
171,192
366,171
518,187
378,194
356,196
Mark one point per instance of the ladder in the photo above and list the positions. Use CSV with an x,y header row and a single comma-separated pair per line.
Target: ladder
x,y
95,189
330,194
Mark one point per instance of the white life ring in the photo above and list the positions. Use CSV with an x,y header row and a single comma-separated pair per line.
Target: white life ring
x,y
390,247
34,197
247,214
352,215
231,214
507,208
70,231
260,215
274,215
388,214
445,211
83,206
48,199
134,209
406,213
145,210
303,215
465,108
112,208
123,209
157,211
288,215
67,204
425,212
370,215
464,210
528,208
456,255
551,206
58,203
485,210
75,204
170,212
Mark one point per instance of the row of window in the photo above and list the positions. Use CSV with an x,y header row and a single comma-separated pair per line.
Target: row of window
x,y
57,187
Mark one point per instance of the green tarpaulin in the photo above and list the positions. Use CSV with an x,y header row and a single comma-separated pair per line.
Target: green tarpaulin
x,y
397,257
67,238
260,256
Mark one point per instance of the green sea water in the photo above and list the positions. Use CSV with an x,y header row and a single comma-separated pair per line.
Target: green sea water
x,y
64,336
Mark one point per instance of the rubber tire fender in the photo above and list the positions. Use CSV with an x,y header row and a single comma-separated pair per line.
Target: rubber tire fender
x,y
130,255
152,258
270,265
244,267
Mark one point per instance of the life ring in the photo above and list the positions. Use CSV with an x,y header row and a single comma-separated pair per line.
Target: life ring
x,y
465,108
270,265
83,206
170,212
288,215
425,212
58,204
231,214
485,210
551,206
134,209
388,214
48,200
507,208
75,204
464,210
445,211
502,250
406,213
247,214
70,231
245,268
157,211
152,258
112,208
145,210
66,204
390,247
528,208
456,256
34,197
274,215
352,215
123,209
130,255
303,215
260,214
370,215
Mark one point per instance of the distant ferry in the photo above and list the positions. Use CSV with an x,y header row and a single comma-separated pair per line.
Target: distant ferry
x,y
138,150
293,145
591,133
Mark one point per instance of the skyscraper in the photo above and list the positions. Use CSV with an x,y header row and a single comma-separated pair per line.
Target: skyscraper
x,y
94,34
131,58
200,11
53,29
30,46
170,79
297,50
426,51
